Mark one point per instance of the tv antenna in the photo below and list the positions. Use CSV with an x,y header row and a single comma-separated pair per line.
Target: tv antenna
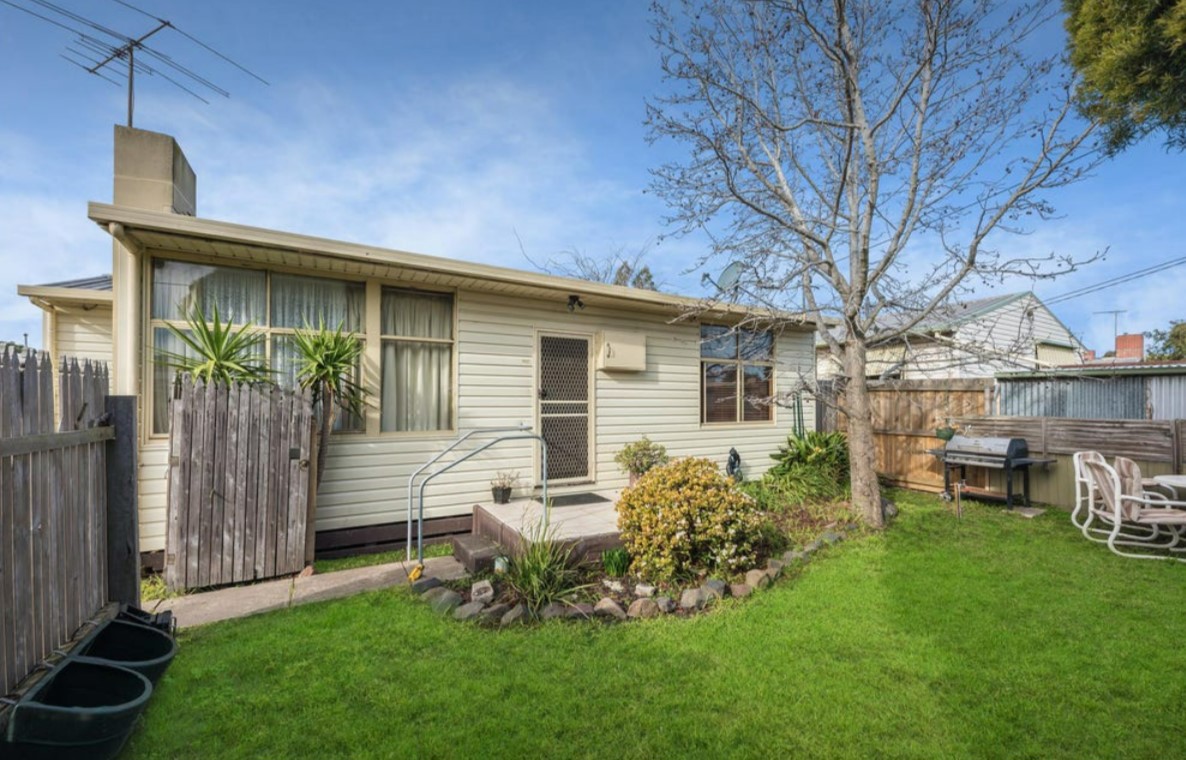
x,y
1115,322
94,52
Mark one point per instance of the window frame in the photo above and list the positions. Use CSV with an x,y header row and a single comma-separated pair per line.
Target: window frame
x,y
268,331
739,364
380,338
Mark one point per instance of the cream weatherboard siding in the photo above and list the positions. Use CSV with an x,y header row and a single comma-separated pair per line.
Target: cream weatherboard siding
x,y
83,333
366,476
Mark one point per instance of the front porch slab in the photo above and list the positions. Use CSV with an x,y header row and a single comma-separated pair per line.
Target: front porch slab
x,y
590,528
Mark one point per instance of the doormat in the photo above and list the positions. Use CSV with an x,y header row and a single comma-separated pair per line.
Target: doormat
x,y
577,499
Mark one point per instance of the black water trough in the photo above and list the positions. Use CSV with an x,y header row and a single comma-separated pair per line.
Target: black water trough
x,y
146,650
83,710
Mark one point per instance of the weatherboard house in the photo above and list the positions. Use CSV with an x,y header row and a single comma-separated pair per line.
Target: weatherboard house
x,y
450,346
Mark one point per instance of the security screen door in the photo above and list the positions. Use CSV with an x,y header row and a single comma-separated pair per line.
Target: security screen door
x,y
563,394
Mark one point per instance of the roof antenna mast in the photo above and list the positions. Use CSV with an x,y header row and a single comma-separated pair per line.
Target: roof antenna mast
x,y
95,51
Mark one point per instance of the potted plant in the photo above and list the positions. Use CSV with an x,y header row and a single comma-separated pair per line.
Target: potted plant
x,y
501,485
945,431
640,456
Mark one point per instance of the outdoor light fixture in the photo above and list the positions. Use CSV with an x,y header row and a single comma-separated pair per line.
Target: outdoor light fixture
x,y
575,302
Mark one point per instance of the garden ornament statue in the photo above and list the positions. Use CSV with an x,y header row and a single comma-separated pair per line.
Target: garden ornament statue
x,y
733,466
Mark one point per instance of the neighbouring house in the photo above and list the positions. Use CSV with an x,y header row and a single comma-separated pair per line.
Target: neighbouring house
x,y
976,338
450,346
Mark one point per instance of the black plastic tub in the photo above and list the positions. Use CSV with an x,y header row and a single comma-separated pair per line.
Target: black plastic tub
x,y
146,650
83,710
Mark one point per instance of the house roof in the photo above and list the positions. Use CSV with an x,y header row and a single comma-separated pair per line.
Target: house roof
x,y
84,290
948,316
98,282
144,230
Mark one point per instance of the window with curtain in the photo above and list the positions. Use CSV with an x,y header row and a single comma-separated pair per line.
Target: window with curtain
x,y
241,296
416,391
736,375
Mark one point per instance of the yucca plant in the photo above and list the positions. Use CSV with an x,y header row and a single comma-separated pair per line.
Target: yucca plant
x,y
220,353
328,360
543,571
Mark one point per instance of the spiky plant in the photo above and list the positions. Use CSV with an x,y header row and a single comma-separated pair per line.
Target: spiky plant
x,y
328,360
219,353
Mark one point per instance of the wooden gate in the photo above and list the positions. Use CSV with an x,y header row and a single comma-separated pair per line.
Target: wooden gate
x,y
240,465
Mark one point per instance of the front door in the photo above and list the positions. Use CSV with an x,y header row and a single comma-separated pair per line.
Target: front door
x,y
564,404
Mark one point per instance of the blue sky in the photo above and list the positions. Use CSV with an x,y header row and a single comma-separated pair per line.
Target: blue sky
x,y
451,128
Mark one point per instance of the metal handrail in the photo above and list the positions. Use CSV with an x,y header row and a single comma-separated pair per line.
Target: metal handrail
x,y
457,442
424,483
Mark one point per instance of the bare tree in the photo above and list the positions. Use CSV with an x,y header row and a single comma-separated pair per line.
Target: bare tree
x,y
862,158
617,267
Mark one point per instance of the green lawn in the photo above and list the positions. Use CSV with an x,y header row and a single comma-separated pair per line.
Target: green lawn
x,y
991,637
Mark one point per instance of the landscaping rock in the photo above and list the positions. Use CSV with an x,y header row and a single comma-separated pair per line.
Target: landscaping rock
x,y
740,590
494,613
832,537
716,587
643,608
425,584
813,547
582,610
888,508
468,611
691,599
516,614
553,610
609,608
710,594
614,586
444,602
665,604
482,591
791,557
774,568
756,579
644,589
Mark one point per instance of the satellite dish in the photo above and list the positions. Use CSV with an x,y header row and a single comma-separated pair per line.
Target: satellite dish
x,y
729,276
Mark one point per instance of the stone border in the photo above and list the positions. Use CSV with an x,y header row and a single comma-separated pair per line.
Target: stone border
x,y
694,600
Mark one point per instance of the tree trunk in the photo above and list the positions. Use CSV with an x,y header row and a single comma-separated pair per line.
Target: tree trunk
x,y
327,413
862,463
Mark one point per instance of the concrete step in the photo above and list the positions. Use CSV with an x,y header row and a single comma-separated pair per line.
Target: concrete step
x,y
475,552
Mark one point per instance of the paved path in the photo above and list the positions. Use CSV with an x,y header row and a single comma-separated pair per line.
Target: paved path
x,y
223,604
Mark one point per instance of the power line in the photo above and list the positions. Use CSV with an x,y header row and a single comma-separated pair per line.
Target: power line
x,y
1120,280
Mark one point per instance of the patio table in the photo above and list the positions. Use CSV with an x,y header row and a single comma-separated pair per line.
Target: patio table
x,y
1172,482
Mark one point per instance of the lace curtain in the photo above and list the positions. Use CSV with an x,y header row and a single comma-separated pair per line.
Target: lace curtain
x,y
417,375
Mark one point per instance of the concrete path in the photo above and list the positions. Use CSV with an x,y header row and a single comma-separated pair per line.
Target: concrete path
x,y
223,604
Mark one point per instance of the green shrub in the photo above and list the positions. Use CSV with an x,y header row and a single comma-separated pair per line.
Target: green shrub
x,y
543,571
641,456
686,516
826,452
615,562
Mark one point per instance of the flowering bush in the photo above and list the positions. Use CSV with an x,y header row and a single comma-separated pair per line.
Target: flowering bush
x,y
642,455
685,516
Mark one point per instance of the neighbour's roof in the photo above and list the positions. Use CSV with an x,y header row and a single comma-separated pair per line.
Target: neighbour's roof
x,y
947,316
1121,367
98,282
151,230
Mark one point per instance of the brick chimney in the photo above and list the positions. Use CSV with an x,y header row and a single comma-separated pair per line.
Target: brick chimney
x,y
1130,346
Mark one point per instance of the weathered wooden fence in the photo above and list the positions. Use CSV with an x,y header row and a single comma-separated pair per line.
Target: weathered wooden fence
x,y
240,466
906,414
53,507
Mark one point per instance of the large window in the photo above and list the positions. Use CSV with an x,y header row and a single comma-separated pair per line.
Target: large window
x,y
736,375
417,361
275,304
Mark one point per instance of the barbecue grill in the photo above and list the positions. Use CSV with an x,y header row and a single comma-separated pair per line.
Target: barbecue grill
x,y
1008,454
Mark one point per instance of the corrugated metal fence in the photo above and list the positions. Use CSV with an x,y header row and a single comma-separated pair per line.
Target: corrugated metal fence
x,y
53,507
1120,397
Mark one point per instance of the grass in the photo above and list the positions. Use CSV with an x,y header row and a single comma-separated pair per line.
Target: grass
x,y
443,549
993,636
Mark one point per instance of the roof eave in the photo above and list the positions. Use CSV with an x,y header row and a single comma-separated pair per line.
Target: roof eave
x,y
53,295
132,219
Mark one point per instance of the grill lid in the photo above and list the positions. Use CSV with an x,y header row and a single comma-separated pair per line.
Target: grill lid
x,y
982,446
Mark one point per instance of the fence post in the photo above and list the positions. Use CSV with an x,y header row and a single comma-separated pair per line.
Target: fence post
x,y
123,539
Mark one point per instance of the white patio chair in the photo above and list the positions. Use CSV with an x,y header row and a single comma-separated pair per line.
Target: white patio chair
x,y
1084,513
1139,508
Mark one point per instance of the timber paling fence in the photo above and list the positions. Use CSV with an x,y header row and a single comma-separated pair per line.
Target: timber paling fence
x,y
906,413
54,496
240,483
